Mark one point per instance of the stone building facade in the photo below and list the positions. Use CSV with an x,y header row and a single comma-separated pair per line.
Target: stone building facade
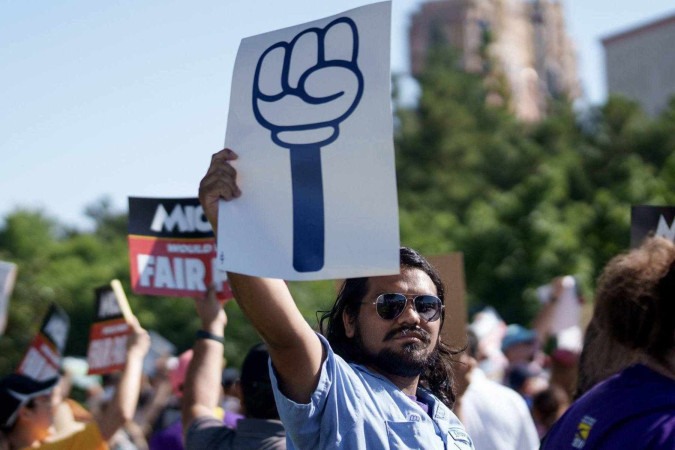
x,y
640,63
525,41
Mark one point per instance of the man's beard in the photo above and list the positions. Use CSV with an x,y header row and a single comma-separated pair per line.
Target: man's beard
x,y
411,361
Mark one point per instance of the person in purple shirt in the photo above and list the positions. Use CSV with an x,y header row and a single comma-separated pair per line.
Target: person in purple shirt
x,y
169,435
634,409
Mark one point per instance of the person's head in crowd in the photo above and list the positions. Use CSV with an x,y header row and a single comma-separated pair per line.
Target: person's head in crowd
x,y
358,335
230,382
547,407
256,386
489,329
229,378
27,408
519,344
634,300
467,364
471,344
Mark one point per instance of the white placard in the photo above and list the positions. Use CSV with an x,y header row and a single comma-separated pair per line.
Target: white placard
x,y
7,278
310,117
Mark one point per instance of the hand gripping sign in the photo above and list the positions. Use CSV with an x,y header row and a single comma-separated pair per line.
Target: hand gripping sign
x,y
293,74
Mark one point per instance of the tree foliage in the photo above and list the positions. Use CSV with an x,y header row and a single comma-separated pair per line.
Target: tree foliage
x,y
524,203
64,266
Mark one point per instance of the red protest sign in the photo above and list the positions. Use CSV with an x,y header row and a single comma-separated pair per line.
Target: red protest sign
x,y
172,250
109,332
43,357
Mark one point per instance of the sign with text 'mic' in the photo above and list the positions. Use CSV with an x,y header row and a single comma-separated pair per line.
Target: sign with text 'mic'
x,y
172,249
648,220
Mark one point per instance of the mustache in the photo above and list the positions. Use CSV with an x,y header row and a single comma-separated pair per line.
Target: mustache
x,y
407,330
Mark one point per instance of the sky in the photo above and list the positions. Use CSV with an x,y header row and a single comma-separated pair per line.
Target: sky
x,y
130,98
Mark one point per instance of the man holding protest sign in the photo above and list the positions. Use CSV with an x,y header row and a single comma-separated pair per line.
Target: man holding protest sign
x,y
380,378
27,406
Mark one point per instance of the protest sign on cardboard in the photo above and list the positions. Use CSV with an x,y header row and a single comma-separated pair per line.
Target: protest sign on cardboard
x,y
7,279
172,249
450,267
647,220
310,117
108,334
43,358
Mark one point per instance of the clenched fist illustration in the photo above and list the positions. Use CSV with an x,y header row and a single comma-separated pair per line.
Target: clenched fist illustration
x,y
302,91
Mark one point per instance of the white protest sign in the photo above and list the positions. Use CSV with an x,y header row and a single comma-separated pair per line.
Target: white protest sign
x,y
310,117
7,279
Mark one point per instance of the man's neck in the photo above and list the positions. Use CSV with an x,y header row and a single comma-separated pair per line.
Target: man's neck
x,y
406,384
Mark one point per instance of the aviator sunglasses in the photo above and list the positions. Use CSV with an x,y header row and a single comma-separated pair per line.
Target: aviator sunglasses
x,y
390,306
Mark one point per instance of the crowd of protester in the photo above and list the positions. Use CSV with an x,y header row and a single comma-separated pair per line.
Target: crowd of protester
x,y
512,386
378,374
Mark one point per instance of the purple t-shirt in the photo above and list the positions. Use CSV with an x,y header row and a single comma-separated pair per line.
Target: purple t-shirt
x,y
171,437
634,409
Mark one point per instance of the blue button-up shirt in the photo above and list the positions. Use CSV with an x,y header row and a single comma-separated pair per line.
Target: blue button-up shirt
x,y
354,408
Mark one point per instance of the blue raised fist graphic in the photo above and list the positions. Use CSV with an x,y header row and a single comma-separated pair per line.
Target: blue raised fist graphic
x,y
302,91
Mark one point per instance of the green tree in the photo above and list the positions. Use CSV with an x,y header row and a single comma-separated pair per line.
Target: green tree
x,y
524,203
65,266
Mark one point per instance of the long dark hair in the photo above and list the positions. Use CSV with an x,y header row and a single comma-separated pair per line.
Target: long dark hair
x,y
437,377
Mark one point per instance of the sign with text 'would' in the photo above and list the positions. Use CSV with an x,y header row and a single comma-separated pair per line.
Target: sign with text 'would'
x,y
108,334
172,249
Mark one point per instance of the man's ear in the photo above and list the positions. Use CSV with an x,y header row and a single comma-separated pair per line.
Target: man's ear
x,y
350,324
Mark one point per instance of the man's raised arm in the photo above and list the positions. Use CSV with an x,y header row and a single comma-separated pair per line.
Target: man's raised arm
x,y
296,352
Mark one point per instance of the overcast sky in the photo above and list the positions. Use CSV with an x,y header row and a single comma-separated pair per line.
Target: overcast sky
x,y
127,98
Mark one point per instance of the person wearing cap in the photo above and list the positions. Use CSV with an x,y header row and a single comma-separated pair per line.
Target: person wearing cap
x,y
27,406
524,372
379,375
519,344
635,408
231,402
260,428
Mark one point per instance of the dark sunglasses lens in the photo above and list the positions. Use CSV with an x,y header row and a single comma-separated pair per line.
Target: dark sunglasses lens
x,y
428,307
389,306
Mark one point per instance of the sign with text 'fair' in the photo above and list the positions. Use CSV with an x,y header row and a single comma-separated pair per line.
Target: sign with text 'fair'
x,y
310,117
172,250
108,334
